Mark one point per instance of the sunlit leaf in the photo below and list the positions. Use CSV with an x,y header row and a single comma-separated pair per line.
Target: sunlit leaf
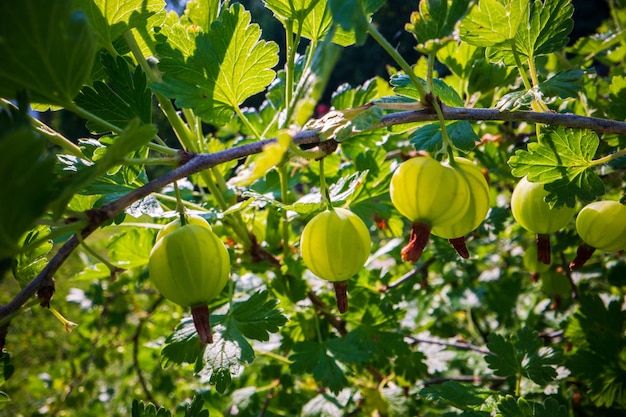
x,y
214,72
55,54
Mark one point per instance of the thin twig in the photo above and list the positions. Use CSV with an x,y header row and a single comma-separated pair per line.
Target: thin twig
x,y
456,345
200,162
422,268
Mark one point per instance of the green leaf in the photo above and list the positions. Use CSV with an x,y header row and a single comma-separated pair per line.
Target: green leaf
x,y
522,354
131,248
6,369
195,408
55,54
27,265
509,407
403,85
124,97
314,358
224,357
462,396
254,318
134,136
429,138
617,91
183,345
550,408
213,73
296,10
565,84
140,409
111,18
258,316
202,13
354,15
25,160
436,20
549,24
562,156
493,22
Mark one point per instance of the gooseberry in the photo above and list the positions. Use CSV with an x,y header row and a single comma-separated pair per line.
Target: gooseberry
x,y
531,211
189,266
173,225
476,211
601,225
335,245
430,195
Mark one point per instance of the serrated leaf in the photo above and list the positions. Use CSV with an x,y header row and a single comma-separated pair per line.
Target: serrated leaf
x,y
522,354
55,53
214,72
27,265
296,10
549,408
141,409
436,20
516,100
131,248
560,152
429,138
403,85
509,407
562,156
493,22
111,18
258,316
565,84
353,15
201,13
183,345
462,396
549,24
584,185
314,358
224,357
123,97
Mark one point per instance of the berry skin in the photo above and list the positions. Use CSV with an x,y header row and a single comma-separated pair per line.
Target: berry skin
x,y
535,215
601,225
335,244
190,266
475,213
430,195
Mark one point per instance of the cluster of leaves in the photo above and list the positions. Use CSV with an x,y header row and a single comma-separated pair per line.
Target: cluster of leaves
x,y
473,337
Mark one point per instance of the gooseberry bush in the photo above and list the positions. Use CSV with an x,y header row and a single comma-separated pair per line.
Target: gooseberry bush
x,y
228,231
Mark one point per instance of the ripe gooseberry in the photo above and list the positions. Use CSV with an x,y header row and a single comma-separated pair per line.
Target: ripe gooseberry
x,y
335,245
476,211
601,225
430,195
189,266
531,211
173,225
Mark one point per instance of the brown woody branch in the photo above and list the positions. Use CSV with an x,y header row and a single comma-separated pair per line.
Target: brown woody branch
x,y
199,162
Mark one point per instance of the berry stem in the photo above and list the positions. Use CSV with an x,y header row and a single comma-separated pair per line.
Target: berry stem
x,y
458,243
543,249
341,295
201,321
583,254
417,242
